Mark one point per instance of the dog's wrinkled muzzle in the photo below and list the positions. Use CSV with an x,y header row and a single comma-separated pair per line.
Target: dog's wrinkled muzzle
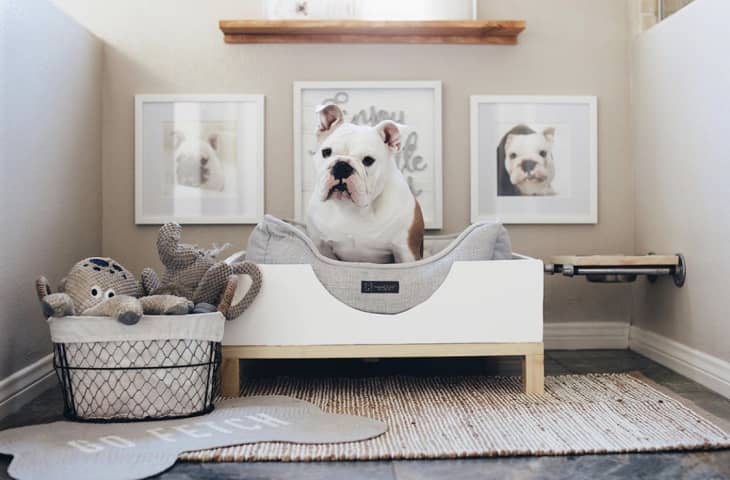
x,y
343,182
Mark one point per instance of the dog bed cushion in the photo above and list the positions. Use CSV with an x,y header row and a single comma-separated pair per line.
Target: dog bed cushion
x,y
275,241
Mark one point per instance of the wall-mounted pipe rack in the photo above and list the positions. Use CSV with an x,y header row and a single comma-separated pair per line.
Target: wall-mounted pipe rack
x,y
619,268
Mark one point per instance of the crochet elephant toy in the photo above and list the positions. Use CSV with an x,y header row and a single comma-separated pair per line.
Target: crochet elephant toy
x,y
197,275
99,286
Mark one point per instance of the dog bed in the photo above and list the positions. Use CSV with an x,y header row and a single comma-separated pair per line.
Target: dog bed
x,y
403,285
470,296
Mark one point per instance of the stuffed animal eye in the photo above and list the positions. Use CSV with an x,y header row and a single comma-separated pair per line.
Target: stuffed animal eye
x,y
367,161
109,293
96,292
543,153
513,155
326,152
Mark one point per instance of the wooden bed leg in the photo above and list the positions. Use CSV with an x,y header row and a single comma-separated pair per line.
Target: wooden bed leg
x,y
231,375
533,373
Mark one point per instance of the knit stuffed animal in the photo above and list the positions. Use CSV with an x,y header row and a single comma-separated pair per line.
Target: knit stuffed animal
x,y
102,287
195,274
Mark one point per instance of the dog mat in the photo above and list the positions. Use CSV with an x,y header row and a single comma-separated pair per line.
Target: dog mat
x,y
451,417
63,450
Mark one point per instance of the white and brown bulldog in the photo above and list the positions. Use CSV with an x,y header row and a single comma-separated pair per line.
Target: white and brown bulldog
x,y
362,209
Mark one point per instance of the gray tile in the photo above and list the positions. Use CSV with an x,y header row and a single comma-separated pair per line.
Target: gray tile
x,y
281,471
668,465
713,403
47,407
705,465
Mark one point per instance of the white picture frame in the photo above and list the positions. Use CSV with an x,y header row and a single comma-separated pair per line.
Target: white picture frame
x,y
420,160
564,129
173,132
369,10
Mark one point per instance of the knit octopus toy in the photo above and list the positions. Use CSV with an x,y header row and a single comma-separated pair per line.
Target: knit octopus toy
x,y
100,286
198,275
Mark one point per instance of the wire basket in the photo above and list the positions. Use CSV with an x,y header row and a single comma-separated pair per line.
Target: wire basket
x,y
138,379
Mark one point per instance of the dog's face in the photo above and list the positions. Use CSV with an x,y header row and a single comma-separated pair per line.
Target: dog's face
x,y
352,161
529,160
196,161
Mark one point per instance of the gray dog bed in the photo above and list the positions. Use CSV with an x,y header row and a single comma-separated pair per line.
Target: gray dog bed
x,y
376,288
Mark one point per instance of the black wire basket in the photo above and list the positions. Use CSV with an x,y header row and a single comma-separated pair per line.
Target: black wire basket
x,y
139,380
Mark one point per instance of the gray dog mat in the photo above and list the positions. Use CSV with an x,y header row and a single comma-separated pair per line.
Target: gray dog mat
x,y
63,450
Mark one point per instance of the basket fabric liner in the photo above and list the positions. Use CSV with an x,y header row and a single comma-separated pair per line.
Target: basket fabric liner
x,y
205,326
164,366
275,241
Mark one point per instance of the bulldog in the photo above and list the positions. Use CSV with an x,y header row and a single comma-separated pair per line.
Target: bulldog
x,y
525,163
197,163
362,209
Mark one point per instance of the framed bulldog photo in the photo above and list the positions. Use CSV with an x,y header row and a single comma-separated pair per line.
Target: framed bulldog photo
x,y
199,159
414,106
534,159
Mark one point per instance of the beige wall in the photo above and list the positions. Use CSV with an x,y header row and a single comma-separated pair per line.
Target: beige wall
x,y
570,47
681,130
51,195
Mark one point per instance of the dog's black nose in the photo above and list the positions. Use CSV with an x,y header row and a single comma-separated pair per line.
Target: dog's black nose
x,y
528,165
341,170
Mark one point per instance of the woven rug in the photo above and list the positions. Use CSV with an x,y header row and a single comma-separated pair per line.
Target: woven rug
x,y
456,417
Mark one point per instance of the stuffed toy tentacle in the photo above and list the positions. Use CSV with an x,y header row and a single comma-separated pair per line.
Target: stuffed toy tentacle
x,y
231,311
123,308
229,294
173,254
42,287
150,281
212,284
166,305
57,305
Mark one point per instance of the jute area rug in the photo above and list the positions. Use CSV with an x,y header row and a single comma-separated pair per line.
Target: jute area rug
x,y
453,417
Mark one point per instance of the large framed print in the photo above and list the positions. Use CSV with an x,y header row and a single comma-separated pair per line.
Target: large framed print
x,y
534,159
416,105
199,159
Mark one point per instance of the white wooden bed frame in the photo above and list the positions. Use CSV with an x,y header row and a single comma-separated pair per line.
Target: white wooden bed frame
x,y
483,308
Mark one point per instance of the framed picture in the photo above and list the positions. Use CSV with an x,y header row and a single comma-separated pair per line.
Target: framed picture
x,y
199,158
416,105
534,159
369,10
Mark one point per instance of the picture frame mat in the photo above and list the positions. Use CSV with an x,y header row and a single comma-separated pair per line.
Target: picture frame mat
x,y
140,100
476,216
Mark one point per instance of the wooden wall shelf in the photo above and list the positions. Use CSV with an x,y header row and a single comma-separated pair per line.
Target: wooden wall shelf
x,y
503,32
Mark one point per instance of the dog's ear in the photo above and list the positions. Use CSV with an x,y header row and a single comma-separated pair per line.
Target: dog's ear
x,y
177,138
213,140
330,117
508,140
389,131
549,134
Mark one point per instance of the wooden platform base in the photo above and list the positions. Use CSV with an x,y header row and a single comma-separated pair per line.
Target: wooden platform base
x,y
532,357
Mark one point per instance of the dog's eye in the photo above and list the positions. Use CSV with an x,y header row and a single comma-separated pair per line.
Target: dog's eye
x,y
367,161
543,153
513,155
96,292
109,293
326,152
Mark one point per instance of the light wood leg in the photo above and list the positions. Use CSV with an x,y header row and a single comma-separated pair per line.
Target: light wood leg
x,y
533,373
231,376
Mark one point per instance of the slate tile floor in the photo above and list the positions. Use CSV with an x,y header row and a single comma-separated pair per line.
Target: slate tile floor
x,y
699,465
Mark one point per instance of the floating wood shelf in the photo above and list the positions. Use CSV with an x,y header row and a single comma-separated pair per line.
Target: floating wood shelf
x,y
503,32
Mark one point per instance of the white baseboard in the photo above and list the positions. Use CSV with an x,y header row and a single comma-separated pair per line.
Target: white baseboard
x,y
586,335
26,384
701,367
